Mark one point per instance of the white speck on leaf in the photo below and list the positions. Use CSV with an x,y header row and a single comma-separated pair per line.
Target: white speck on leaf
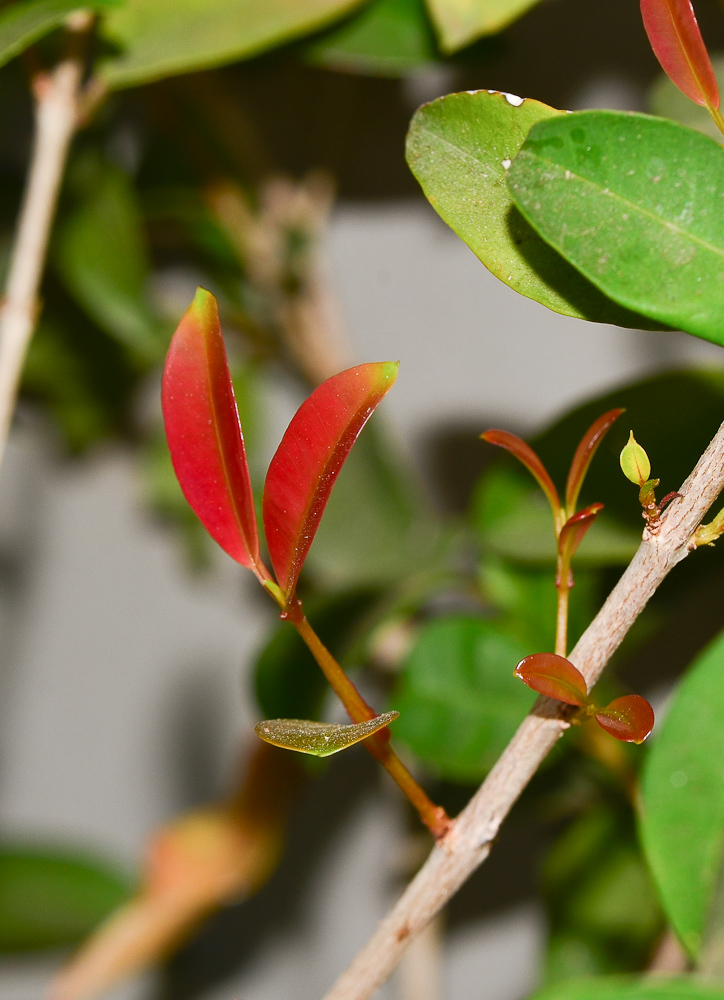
x,y
514,100
506,164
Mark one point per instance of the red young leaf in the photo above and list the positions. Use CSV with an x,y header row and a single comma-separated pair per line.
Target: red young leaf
x,y
584,453
677,43
575,528
307,462
526,455
629,719
204,433
554,676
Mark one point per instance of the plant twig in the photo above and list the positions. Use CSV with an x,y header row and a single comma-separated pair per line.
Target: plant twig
x,y
471,835
56,116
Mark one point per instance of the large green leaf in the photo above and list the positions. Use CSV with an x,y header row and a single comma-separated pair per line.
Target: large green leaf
x,y
631,988
637,205
667,100
22,24
386,38
101,255
682,816
460,22
49,898
458,699
165,37
459,148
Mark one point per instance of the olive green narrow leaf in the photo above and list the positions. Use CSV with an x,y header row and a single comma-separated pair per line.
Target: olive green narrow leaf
x,y
635,463
666,100
321,739
50,898
631,988
459,148
460,22
386,38
682,815
22,24
168,37
609,189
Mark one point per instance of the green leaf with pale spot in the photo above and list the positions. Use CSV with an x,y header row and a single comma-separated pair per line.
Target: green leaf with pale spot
x,y
22,24
610,190
682,816
321,739
459,148
460,22
167,37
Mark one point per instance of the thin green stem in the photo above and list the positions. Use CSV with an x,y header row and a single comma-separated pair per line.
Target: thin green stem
x,y
563,584
434,817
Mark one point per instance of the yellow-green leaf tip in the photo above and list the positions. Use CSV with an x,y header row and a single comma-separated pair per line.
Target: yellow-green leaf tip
x,y
635,463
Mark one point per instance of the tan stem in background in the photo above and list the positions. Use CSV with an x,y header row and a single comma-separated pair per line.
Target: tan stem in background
x,y
469,841
57,97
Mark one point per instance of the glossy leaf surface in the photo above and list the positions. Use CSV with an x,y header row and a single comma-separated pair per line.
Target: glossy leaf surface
x,y
608,189
385,38
682,817
22,24
459,702
321,739
525,454
460,22
167,37
630,718
306,464
575,529
204,433
677,43
583,456
553,676
634,462
631,988
459,148
50,898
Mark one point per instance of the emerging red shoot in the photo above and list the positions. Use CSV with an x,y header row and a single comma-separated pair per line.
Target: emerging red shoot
x,y
629,719
526,455
309,458
204,434
584,454
553,676
574,531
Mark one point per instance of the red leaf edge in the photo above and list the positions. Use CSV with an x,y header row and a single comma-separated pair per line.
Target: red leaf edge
x,y
574,530
204,433
525,454
674,34
629,719
553,676
308,460
583,456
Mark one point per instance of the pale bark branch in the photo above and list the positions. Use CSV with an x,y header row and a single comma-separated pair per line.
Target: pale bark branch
x,y
56,116
469,841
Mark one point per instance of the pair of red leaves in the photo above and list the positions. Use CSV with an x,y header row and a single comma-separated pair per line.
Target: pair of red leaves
x,y
207,447
677,43
630,718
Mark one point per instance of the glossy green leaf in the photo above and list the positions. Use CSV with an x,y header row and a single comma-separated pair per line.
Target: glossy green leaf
x,y
320,739
459,148
460,22
667,100
682,817
609,189
631,988
288,680
22,24
458,699
102,257
385,38
167,37
50,898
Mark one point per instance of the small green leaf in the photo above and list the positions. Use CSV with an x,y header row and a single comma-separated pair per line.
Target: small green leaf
x,y
321,739
609,189
631,988
459,700
50,898
460,22
386,38
167,37
22,24
459,148
635,463
682,817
